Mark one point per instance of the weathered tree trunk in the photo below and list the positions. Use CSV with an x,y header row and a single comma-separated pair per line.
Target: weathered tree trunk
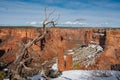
x,y
20,62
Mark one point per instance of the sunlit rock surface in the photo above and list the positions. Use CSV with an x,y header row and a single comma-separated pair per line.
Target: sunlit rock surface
x,y
57,40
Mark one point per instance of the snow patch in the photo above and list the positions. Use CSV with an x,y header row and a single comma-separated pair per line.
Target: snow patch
x,y
55,67
88,75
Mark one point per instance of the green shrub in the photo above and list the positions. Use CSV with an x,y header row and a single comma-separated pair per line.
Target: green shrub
x,y
76,66
2,75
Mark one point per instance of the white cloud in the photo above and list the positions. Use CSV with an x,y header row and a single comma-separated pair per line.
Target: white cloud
x,y
33,23
42,22
74,22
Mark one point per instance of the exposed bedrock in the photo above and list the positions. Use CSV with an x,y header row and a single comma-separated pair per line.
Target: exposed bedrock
x,y
58,40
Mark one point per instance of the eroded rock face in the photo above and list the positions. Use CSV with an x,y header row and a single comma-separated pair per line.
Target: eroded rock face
x,y
57,40
111,54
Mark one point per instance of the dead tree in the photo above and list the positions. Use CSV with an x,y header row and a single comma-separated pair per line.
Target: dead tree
x,y
20,62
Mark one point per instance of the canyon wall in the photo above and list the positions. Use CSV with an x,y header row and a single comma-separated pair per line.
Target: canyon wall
x,y
111,54
58,40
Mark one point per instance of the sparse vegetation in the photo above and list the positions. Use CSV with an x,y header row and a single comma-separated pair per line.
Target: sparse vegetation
x,y
77,66
2,75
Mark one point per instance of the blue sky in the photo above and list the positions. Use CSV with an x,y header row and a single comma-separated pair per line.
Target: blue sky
x,y
94,13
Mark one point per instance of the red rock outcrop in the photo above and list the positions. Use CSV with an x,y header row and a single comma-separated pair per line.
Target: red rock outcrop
x,y
68,62
111,54
57,40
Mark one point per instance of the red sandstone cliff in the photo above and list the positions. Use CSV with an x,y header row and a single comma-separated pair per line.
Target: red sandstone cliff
x,y
57,40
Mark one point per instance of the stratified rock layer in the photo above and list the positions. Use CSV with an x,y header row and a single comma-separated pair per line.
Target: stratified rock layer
x,y
58,40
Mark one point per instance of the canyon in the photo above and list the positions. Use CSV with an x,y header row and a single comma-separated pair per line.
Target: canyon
x,y
58,40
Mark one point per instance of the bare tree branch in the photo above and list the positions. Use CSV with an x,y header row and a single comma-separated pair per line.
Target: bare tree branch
x,y
47,17
20,59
